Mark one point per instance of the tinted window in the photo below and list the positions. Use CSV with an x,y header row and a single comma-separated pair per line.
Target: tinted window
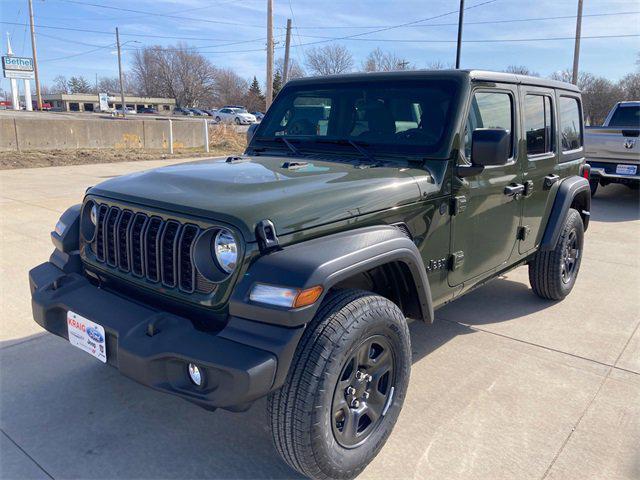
x,y
380,114
488,110
570,124
626,117
538,124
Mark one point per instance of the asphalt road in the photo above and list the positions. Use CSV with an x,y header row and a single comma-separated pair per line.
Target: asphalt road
x,y
504,385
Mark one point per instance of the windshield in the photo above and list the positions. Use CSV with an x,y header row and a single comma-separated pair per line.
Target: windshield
x,y
626,117
381,114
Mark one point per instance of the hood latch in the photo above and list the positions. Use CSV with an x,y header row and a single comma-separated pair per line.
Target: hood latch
x,y
266,235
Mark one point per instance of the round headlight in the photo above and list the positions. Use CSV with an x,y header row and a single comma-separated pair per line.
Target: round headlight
x,y
94,214
225,250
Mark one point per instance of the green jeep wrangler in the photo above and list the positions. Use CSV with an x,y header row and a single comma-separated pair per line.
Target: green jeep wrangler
x,y
291,271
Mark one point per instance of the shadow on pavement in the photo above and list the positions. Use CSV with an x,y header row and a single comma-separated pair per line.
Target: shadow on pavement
x,y
73,412
615,203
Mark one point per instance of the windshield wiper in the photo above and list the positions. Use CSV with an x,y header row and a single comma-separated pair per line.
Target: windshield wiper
x,y
289,145
363,150
358,146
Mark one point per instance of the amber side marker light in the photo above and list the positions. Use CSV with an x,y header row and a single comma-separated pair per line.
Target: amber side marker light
x,y
307,297
284,296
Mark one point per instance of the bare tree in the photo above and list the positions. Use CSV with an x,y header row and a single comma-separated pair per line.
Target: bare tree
x,y
630,86
60,85
295,69
229,88
329,60
439,65
112,85
175,72
521,70
381,61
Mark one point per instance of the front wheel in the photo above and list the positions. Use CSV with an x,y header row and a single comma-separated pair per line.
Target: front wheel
x,y
553,273
237,121
345,387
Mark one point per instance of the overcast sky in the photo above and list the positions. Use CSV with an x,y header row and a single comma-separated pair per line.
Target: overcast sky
x,y
216,24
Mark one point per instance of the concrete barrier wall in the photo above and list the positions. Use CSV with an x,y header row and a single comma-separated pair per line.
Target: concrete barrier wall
x,y
56,134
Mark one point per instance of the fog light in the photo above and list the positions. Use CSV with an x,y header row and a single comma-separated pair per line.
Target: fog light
x,y
195,375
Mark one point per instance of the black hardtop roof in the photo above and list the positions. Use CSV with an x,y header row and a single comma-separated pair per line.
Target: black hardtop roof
x,y
473,75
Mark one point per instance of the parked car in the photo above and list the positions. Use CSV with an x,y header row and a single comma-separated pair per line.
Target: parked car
x,y
210,112
198,113
236,115
148,110
127,111
259,115
613,150
182,111
290,271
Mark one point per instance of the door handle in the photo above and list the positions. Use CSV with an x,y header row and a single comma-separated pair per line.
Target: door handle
x,y
514,190
549,180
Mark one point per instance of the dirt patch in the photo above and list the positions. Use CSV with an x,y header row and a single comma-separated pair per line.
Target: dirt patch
x,y
223,141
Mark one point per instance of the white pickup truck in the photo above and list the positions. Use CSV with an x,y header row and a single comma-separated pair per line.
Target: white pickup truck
x,y
613,150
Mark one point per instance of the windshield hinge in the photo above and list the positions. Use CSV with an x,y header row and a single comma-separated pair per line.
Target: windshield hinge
x,y
457,259
458,204
266,235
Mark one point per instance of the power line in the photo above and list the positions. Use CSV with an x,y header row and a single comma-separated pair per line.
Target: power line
x,y
155,14
79,54
492,40
479,22
300,44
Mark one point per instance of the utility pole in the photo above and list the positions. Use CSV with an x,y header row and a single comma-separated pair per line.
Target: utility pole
x,y
460,19
124,106
287,45
576,51
269,93
35,56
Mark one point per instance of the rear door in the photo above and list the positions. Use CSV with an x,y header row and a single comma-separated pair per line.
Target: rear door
x,y
540,160
486,220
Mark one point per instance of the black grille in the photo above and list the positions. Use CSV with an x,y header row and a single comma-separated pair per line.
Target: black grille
x,y
149,248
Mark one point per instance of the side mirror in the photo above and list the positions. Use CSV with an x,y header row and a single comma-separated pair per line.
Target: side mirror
x,y
490,146
250,131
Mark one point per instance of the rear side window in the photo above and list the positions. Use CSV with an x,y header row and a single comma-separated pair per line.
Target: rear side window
x,y
538,124
489,110
570,124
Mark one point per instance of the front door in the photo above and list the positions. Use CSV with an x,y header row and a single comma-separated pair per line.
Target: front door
x,y
540,160
486,218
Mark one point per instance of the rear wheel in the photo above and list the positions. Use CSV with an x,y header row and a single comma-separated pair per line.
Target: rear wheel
x,y
345,387
553,273
218,119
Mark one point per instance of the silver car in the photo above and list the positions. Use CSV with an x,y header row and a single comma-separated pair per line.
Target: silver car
x,y
236,115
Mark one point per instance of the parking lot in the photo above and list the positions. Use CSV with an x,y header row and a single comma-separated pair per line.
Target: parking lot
x,y
504,385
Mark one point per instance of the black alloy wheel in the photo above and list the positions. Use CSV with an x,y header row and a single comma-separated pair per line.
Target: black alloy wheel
x,y
363,391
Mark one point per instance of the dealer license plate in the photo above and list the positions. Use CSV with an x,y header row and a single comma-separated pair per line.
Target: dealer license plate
x,y
626,169
87,336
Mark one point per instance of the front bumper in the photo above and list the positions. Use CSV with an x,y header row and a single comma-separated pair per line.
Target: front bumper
x,y
241,363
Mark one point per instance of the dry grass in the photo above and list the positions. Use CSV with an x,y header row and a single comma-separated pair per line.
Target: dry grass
x,y
223,140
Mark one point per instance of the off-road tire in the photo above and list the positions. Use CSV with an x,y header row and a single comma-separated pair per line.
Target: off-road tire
x,y
546,269
593,186
301,411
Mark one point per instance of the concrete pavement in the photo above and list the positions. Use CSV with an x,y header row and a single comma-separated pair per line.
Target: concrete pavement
x,y
504,385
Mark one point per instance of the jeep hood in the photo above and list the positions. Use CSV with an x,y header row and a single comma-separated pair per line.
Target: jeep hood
x,y
246,191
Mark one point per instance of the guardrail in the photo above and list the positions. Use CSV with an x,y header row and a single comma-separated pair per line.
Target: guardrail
x,y
23,134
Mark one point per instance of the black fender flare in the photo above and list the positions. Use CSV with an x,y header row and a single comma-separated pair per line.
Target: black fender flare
x,y
326,261
568,191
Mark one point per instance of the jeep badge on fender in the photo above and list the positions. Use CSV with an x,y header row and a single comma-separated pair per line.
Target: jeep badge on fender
x,y
291,271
